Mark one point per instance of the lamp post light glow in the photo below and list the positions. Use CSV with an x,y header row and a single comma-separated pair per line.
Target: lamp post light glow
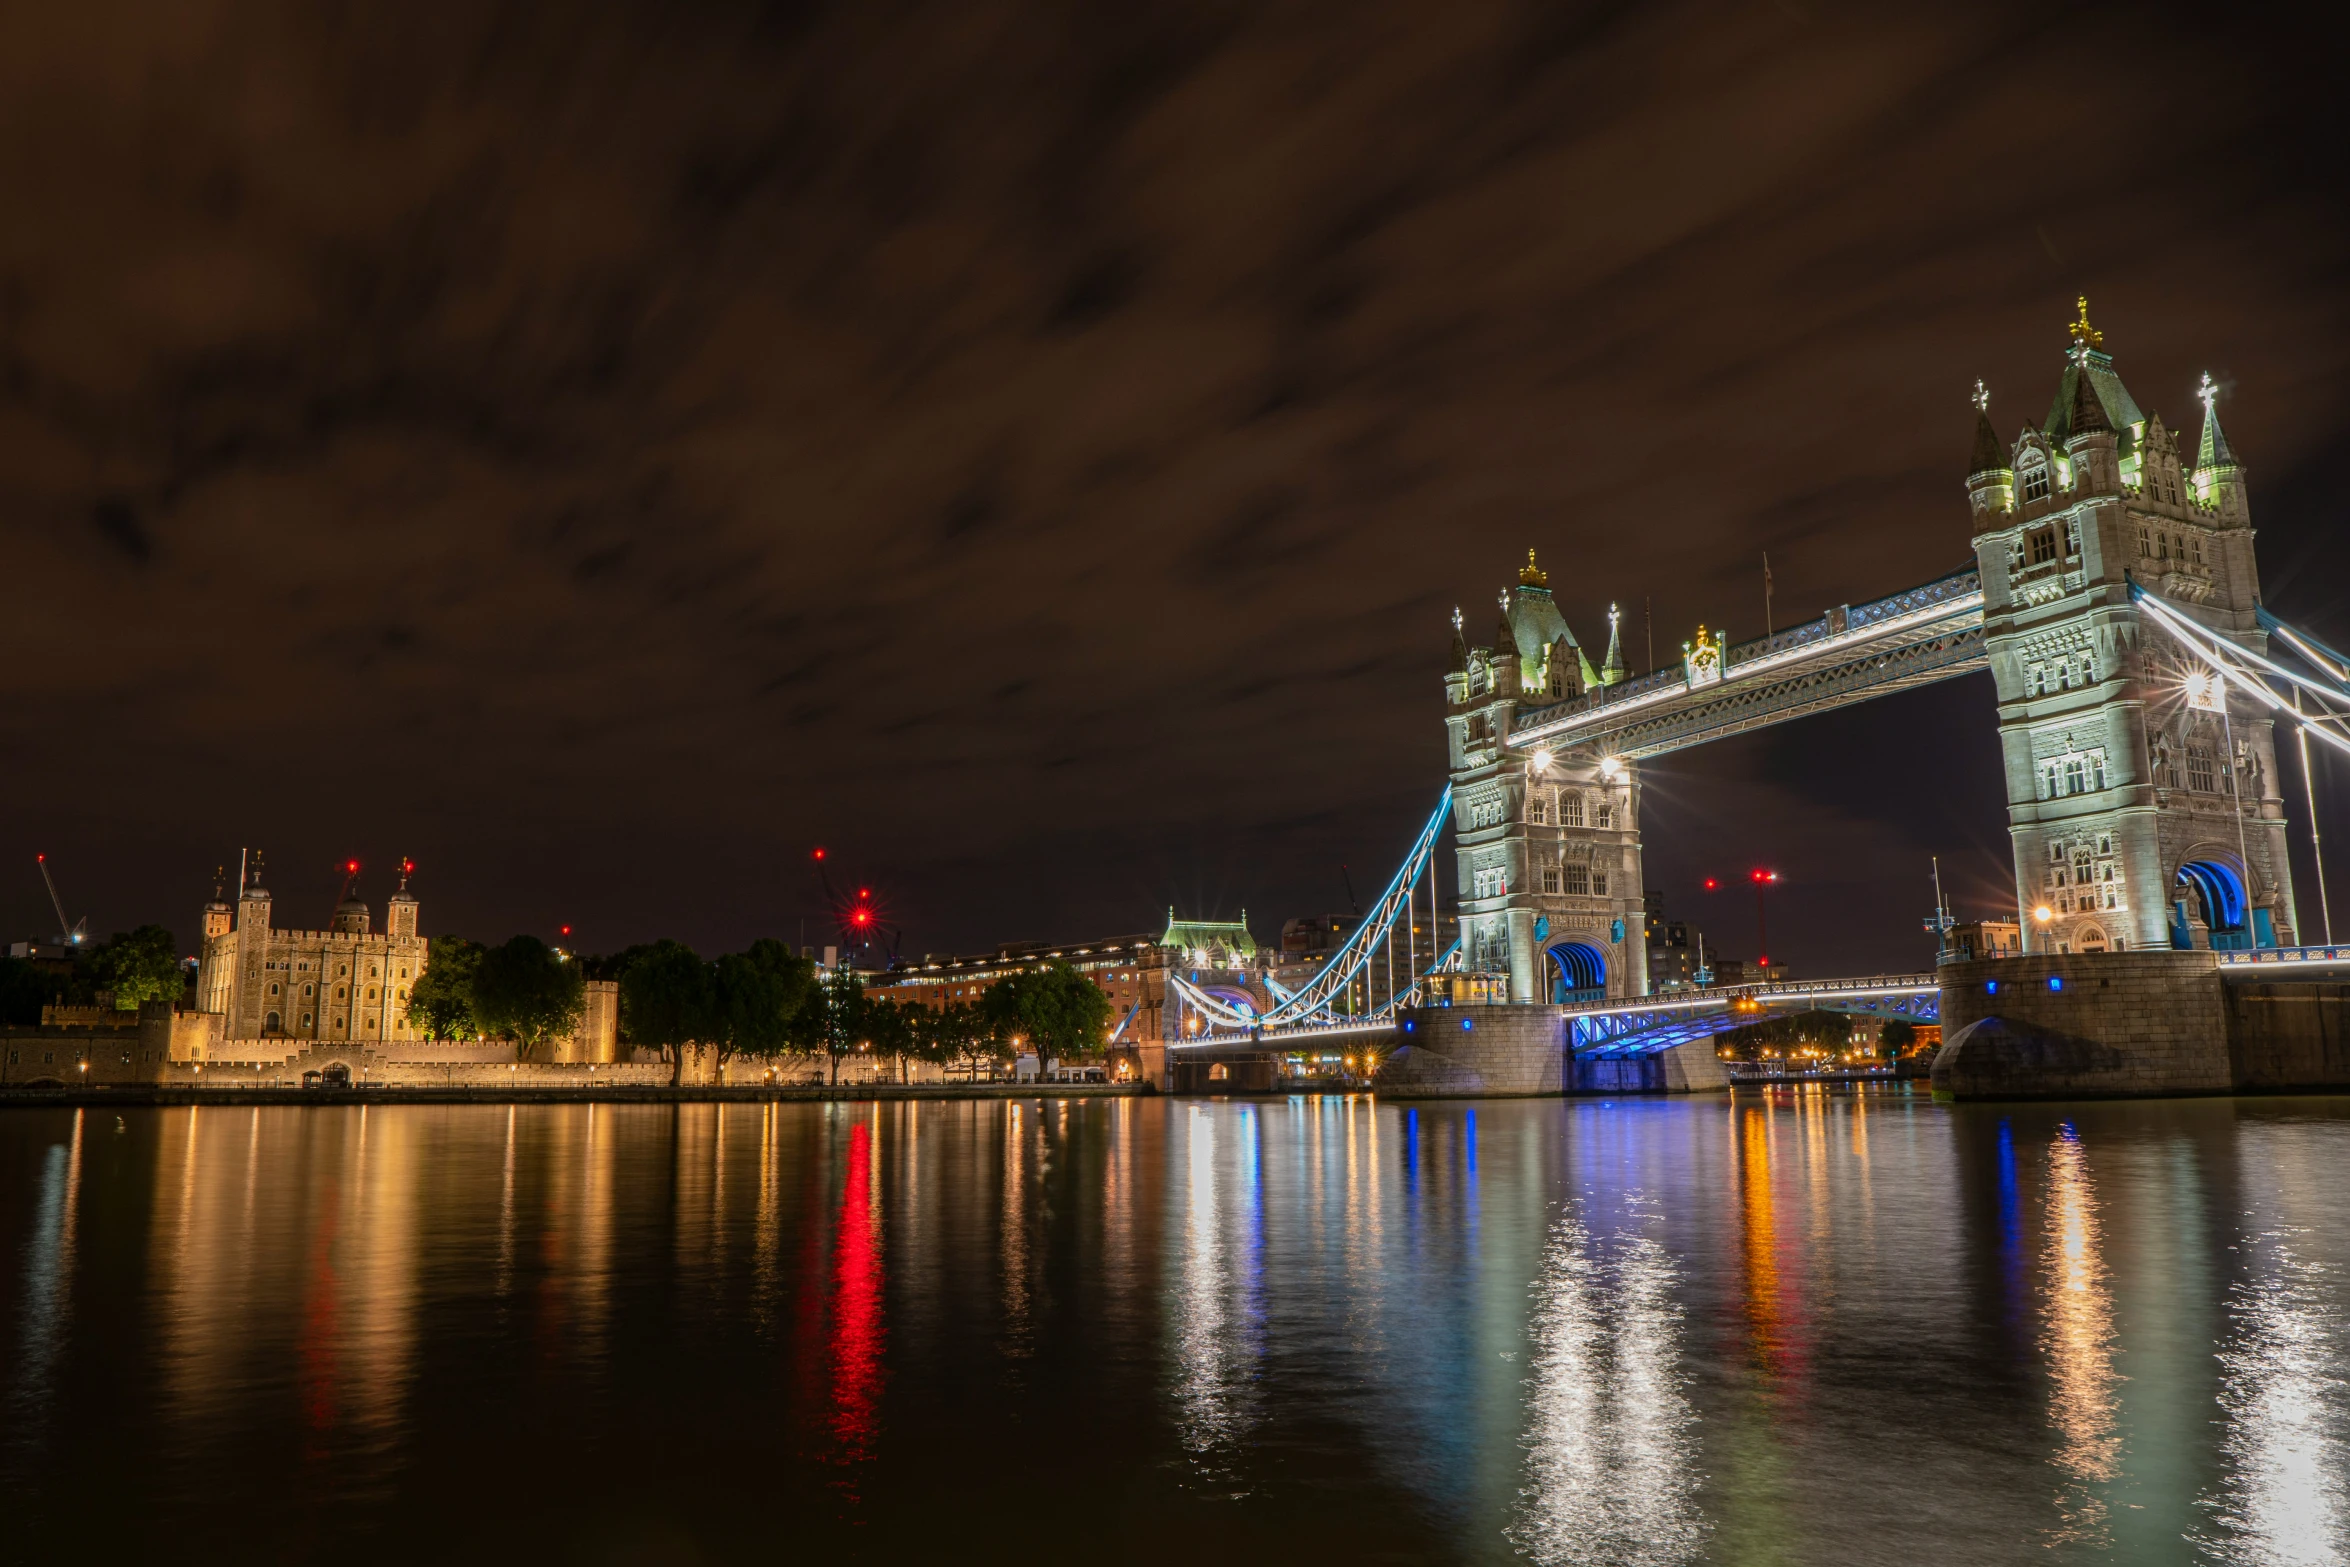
x,y
1612,768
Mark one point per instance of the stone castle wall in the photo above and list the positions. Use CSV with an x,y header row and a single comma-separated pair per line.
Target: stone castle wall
x,y
1497,1050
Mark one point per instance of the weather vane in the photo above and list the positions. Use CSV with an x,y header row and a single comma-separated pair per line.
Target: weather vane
x,y
1456,620
2085,336
1982,396
2208,390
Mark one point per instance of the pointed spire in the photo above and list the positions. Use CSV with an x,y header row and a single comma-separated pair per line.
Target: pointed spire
x,y
2213,451
1990,453
2087,414
1506,640
1613,670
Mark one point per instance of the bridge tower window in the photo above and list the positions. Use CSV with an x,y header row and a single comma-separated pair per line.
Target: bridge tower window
x,y
2043,546
2036,484
1538,808
1570,808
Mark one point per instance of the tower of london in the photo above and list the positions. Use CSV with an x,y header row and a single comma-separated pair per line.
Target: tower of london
x,y
344,984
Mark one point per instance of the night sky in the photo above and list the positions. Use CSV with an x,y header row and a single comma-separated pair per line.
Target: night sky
x,y
1034,450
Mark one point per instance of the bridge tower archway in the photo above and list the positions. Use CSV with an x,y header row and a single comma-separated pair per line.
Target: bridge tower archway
x,y
2209,891
1578,972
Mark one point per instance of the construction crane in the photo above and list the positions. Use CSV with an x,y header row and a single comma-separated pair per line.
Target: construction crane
x,y
76,933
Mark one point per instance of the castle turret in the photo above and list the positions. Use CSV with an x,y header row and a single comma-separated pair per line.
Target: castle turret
x,y
1990,480
1613,670
2219,477
400,912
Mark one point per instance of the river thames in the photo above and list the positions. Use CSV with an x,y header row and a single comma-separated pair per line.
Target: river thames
x,y
1792,1326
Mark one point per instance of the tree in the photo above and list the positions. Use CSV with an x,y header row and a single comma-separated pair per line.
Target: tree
x,y
1899,1034
835,1020
139,966
890,1030
440,1003
526,991
757,997
1055,1010
26,988
668,1000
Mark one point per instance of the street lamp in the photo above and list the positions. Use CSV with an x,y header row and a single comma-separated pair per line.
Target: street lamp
x,y
2041,916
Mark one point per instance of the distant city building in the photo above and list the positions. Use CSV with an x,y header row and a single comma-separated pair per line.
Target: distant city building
x,y
1973,939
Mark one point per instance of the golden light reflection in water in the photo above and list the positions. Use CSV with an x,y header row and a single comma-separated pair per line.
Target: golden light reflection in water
x,y
1612,1466
2077,1342
1013,1232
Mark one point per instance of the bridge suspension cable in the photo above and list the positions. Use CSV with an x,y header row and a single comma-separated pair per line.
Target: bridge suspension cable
x,y
1316,1002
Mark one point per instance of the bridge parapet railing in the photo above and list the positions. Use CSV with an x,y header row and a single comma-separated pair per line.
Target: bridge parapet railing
x,y
2234,964
1790,990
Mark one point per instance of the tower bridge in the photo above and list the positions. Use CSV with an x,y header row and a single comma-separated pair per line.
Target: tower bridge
x,y
2114,599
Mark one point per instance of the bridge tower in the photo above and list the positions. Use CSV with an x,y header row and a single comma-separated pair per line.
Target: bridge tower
x,y
2143,799
1547,844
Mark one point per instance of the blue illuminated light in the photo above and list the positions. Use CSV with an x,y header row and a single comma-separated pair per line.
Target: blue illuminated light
x,y
2056,982
1991,987
1468,1023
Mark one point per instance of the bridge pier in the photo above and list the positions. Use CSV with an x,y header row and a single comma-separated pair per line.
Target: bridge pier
x,y
1497,1051
2139,1025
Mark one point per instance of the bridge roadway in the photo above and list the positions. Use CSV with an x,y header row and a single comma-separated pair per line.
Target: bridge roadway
x,y
1850,654
1605,1029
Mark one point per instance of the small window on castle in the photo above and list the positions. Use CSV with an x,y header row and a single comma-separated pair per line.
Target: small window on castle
x,y
2195,548
2145,544
2076,775
1578,880
1538,810
305,1020
371,992
273,989
1570,809
1550,878
2056,853
2043,545
1599,884
1602,816
2201,776
2072,537
2036,484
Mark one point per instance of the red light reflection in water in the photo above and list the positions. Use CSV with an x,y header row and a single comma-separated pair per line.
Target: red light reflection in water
x,y
856,1305
321,1328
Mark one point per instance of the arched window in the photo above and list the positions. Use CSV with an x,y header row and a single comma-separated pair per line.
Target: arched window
x,y
270,1024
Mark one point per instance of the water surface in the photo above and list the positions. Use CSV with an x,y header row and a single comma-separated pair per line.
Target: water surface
x,y
1800,1326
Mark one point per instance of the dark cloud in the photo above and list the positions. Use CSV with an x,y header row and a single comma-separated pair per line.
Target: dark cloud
x,y
1034,450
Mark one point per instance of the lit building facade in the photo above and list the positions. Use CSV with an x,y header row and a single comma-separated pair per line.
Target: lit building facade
x,y
2143,800
344,984
1547,843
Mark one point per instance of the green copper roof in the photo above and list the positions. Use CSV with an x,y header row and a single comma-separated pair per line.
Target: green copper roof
x,y
2213,450
2114,402
1535,621
1191,935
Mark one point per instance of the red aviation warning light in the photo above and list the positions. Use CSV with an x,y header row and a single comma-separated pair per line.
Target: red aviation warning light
x,y
1711,884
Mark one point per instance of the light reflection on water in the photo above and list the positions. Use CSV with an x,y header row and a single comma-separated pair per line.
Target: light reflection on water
x,y
1795,1326
2077,1341
1613,1464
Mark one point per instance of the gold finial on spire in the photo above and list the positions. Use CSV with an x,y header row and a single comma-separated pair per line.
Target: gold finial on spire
x,y
2085,335
1531,575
